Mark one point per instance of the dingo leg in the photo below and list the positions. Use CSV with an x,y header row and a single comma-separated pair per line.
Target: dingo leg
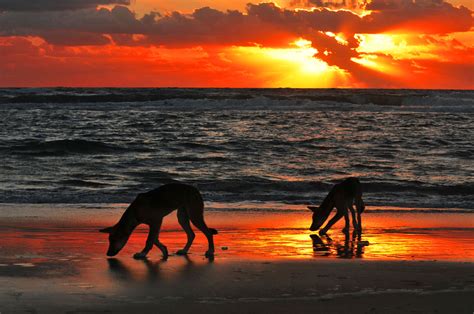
x,y
346,220
152,237
359,219
183,220
360,206
354,220
197,219
161,246
331,222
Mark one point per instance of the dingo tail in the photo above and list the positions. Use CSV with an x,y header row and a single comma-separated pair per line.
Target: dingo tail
x,y
213,231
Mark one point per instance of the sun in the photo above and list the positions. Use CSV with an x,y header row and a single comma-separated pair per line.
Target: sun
x,y
305,54
300,54
295,66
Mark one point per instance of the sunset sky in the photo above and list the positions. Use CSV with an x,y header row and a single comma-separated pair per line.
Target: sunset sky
x,y
237,43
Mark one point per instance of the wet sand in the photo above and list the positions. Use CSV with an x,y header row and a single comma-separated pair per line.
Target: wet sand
x,y
265,262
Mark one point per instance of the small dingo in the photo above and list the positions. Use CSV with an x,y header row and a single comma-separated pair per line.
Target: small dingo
x,y
342,196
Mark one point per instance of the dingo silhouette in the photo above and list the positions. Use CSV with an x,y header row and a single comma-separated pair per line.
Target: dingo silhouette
x,y
150,208
342,196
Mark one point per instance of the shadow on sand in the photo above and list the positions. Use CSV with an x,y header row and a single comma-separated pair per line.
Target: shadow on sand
x,y
349,247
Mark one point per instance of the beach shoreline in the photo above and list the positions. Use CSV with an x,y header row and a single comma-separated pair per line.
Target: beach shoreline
x,y
387,235
265,262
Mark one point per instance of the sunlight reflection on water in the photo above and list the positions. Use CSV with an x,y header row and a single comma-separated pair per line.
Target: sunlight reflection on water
x,y
402,235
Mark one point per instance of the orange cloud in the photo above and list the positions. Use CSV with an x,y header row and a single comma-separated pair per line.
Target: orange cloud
x,y
395,43
23,59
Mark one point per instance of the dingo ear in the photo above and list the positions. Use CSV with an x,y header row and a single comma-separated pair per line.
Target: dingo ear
x,y
107,230
312,208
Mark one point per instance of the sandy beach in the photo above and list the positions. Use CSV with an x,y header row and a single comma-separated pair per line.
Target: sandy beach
x,y
265,262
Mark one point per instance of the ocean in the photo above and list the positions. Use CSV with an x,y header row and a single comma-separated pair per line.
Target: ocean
x,y
245,149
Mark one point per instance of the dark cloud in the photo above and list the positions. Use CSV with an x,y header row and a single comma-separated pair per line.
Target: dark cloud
x,y
54,5
64,26
333,4
63,38
264,23
396,5
418,16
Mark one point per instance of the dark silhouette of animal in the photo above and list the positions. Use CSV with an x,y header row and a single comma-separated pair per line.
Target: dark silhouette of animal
x,y
149,208
342,196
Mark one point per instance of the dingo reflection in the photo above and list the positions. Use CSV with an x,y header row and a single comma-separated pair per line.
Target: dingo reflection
x,y
351,246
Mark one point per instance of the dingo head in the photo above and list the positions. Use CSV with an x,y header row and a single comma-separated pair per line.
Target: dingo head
x,y
117,239
319,217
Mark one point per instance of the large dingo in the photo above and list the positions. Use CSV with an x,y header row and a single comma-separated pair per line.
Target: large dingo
x,y
342,196
150,208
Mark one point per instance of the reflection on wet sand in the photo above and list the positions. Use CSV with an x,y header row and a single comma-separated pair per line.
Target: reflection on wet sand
x,y
120,271
182,267
349,248
52,267
253,236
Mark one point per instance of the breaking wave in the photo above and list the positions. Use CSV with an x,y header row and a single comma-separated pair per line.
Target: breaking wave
x,y
249,99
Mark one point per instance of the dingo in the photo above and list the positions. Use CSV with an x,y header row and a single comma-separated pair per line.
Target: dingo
x,y
342,196
150,208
